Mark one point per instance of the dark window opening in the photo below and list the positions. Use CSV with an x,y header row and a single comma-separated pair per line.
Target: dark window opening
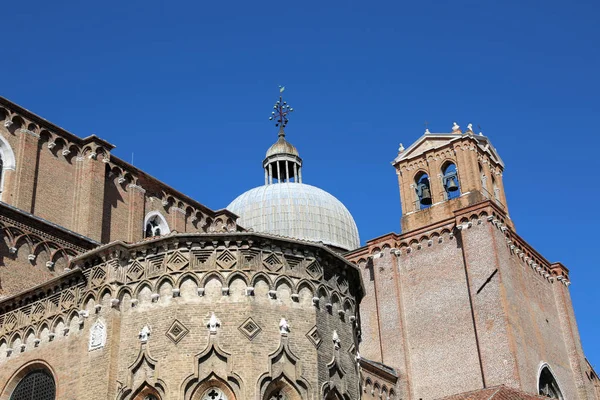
x,y
548,386
37,385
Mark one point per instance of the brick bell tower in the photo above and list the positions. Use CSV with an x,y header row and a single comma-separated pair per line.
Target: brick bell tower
x,y
458,301
444,172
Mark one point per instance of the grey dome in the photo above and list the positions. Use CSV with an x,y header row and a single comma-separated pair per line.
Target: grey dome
x,y
299,211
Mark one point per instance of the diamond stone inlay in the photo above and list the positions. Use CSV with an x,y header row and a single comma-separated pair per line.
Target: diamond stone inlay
x,y
250,328
314,336
177,331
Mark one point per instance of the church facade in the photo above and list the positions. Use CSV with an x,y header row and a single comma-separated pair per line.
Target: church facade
x,y
128,289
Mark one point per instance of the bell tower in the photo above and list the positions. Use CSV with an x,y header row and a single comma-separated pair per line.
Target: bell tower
x,y
444,172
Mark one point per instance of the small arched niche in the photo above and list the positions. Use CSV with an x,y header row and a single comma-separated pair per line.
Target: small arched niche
x,y
155,225
547,384
423,191
450,181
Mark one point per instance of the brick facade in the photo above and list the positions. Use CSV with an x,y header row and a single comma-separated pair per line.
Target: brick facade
x,y
456,303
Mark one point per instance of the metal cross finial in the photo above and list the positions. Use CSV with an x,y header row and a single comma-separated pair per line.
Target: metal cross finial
x,y
281,111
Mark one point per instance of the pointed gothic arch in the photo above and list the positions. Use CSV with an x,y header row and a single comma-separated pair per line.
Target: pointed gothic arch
x,y
547,384
211,388
155,224
7,163
281,389
146,392
36,380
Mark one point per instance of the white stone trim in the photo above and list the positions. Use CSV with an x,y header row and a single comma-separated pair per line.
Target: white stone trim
x,y
8,161
543,365
162,222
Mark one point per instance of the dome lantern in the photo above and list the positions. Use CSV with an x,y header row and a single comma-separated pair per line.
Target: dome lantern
x,y
286,206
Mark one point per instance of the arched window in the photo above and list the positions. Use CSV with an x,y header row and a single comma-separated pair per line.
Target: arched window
x,y
548,386
450,181
214,393
423,191
37,385
496,190
281,389
483,181
7,162
155,225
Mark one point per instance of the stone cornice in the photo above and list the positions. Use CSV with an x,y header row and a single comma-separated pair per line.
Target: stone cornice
x,y
118,267
52,127
144,180
380,370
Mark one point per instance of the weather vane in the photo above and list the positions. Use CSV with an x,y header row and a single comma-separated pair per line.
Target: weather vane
x,y
281,111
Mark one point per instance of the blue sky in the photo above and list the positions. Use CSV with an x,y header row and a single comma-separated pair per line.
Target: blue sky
x,y
188,87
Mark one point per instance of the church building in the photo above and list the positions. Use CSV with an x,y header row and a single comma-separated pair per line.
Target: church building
x,y
114,285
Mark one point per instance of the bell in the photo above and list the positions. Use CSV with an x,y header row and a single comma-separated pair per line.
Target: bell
x,y
425,196
451,185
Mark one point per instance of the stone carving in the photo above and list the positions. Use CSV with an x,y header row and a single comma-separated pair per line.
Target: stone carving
x,y
213,324
97,336
284,327
314,336
144,334
250,328
177,331
214,394
336,340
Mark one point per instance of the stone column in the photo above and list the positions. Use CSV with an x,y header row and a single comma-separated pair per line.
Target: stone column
x,y
295,172
26,173
270,174
287,171
137,211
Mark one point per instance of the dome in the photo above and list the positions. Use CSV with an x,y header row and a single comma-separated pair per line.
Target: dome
x,y
299,211
282,146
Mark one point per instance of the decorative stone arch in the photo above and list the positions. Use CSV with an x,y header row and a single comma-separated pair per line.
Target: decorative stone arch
x,y
211,388
261,276
213,368
236,275
157,224
26,370
284,376
7,164
281,389
148,392
334,394
547,385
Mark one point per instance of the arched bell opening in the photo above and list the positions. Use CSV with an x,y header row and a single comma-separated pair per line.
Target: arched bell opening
x,y
450,181
547,385
495,190
483,179
423,190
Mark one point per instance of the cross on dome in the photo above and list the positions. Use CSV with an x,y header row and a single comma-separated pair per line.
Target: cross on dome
x,y
281,112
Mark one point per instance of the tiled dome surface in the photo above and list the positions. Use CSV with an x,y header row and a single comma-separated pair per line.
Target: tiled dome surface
x,y
299,211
